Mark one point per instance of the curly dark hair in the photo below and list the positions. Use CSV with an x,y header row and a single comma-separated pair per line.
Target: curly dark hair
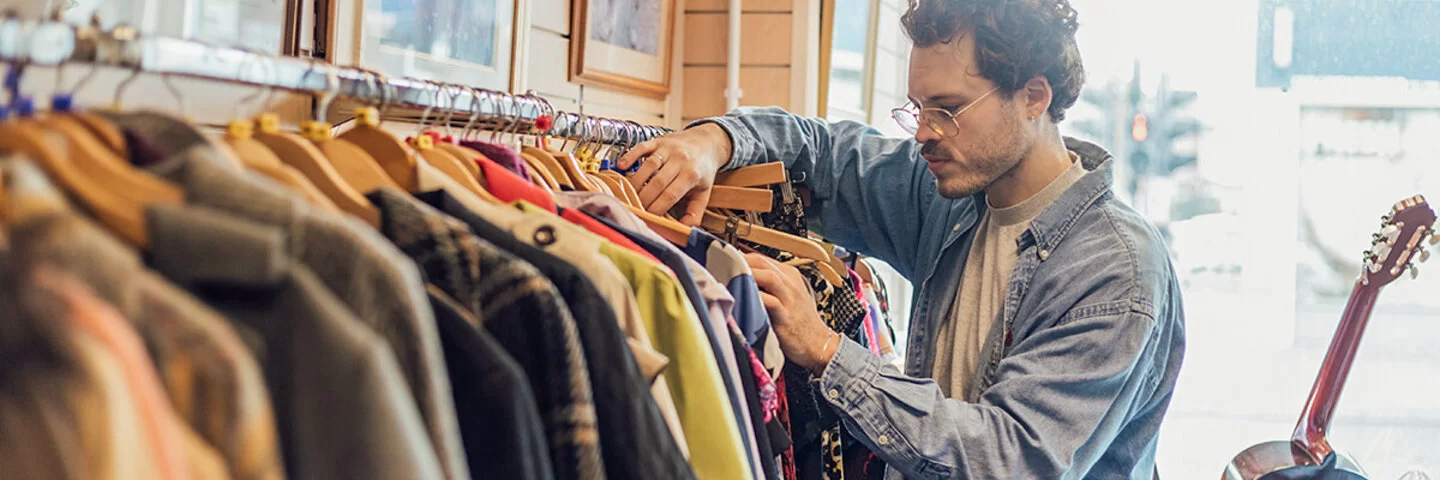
x,y
1015,40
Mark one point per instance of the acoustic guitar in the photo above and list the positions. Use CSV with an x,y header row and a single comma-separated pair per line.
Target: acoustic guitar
x,y
1308,454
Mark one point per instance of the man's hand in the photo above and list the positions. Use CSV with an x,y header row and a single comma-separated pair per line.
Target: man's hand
x,y
803,336
679,167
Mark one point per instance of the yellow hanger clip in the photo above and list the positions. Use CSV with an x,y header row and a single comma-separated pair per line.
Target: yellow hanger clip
x,y
367,116
268,123
422,141
240,129
316,131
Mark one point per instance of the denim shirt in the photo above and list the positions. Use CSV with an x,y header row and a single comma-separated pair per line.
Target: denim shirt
x,y
1075,380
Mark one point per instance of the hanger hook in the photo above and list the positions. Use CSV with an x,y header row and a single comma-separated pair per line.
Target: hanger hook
x,y
523,105
544,106
604,135
474,112
499,117
179,98
332,88
251,59
612,135
269,64
519,115
454,105
632,134
125,84
425,115
93,29
576,131
583,134
564,135
387,96
592,133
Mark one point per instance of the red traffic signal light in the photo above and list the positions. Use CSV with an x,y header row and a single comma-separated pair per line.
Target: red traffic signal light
x,y
1140,128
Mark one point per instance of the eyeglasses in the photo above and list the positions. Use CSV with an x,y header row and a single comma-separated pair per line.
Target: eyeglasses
x,y
938,120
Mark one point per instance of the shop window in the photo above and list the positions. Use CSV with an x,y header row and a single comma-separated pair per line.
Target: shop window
x,y
1276,133
259,25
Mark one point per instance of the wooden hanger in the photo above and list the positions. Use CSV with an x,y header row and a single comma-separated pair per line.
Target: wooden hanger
x,y
255,156
626,191
107,133
831,276
673,231
740,198
385,149
356,166
572,168
240,137
301,154
551,165
121,214
450,144
423,145
4,205
88,155
601,185
465,155
538,169
802,247
451,168
862,269
753,176
834,261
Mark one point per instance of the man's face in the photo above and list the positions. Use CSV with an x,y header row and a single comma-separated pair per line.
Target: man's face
x,y
990,140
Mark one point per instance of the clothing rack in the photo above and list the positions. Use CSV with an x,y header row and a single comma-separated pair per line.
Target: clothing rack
x,y
54,43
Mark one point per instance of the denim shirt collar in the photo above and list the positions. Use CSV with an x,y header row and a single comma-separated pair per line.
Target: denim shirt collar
x,y
1049,228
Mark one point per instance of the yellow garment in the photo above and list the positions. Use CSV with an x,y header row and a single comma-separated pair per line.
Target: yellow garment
x,y
717,452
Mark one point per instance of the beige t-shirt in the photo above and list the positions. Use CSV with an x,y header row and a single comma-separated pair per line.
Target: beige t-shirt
x,y
986,277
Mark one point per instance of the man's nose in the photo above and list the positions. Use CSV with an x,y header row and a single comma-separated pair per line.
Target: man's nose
x,y
925,134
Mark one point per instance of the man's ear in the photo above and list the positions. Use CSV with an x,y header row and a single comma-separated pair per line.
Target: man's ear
x,y
1036,94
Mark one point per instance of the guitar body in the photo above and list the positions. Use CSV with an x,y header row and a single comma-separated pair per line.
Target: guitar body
x,y
1283,457
1307,455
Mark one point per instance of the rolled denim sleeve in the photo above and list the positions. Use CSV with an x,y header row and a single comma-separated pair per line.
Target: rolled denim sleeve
x,y
1059,398
870,192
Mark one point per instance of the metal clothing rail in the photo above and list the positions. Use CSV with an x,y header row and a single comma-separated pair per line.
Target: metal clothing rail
x,y
53,43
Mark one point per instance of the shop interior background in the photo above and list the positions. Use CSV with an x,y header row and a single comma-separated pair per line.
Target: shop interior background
x,y
1275,135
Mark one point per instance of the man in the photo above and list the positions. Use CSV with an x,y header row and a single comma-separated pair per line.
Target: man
x,y
1048,330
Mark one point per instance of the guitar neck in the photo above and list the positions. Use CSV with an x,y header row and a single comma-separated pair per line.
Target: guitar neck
x,y
1325,394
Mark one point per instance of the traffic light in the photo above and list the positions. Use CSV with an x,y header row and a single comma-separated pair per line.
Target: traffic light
x,y
1161,129
1139,128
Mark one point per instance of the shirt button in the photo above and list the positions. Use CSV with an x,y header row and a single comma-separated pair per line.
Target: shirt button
x,y
956,229
834,393
545,236
883,440
1044,254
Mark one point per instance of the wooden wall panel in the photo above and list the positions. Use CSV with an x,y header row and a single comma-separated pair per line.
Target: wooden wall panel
x,y
765,86
600,96
765,38
746,6
552,15
762,86
549,65
704,91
